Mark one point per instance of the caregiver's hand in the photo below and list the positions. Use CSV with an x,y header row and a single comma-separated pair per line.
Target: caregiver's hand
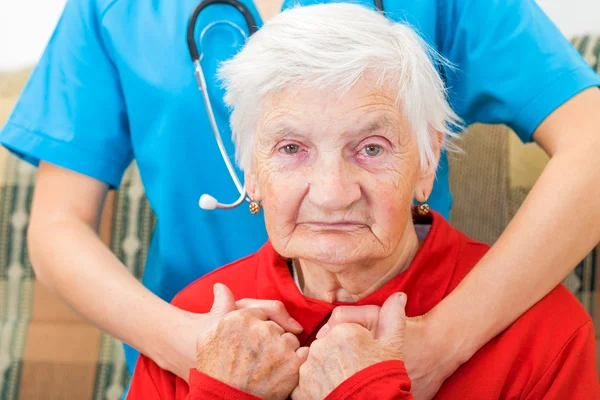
x,y
180,356
428,357
349,348
249,352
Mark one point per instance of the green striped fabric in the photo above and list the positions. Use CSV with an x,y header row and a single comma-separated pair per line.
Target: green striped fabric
x,y
16,274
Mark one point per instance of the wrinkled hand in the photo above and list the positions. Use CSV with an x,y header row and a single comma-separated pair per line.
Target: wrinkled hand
x,y
428,358
179,353
249,352
348,348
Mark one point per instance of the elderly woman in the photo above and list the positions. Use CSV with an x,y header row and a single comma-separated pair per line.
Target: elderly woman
x,y
338,135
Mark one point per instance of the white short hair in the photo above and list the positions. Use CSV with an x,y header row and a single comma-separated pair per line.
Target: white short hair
x,y
332,46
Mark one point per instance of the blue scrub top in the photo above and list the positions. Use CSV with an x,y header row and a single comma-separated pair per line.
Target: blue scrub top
x,y
116,83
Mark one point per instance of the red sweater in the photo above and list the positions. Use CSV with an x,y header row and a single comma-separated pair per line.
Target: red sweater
x,y
548,353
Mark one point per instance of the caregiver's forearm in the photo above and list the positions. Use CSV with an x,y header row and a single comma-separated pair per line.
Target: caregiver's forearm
x,y
557,225
79,267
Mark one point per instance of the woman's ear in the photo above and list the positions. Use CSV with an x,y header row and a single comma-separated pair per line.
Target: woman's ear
x,y
427,177
252,187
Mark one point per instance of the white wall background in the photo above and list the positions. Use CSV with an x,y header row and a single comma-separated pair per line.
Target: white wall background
x,y
574,16
26,25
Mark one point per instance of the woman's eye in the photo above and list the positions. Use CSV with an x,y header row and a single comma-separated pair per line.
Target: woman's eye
x,y
291,148
371,150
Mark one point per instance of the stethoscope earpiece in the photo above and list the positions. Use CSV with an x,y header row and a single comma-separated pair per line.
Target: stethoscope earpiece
x,y
207,202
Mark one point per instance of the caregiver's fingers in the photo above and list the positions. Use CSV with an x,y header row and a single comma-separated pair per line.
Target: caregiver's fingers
x,y
392,319
224,302
367,316
276,328
257,313
274,310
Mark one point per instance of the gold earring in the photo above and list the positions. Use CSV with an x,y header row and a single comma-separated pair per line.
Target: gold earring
x,y
423,208
254,207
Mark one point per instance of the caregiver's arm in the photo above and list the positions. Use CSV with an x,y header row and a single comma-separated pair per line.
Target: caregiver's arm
x,y
557,225
69,258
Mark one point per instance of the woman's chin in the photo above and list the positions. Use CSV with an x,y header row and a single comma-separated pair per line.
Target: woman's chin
x,y
334,249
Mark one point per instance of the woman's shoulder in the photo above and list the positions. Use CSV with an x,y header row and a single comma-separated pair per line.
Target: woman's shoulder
x,y
463,251
239,276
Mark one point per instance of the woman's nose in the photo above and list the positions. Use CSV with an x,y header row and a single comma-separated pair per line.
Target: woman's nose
x,y
333,186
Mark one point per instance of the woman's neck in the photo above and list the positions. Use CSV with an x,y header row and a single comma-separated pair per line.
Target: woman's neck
x,y
355,281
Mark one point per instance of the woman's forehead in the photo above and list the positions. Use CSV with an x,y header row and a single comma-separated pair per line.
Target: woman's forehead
x,y
363,92
344,122
361,107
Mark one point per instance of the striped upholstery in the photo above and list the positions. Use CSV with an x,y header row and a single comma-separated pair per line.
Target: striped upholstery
x,y
48,352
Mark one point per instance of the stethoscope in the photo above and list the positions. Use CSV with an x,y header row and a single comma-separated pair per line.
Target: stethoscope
x,y
208,202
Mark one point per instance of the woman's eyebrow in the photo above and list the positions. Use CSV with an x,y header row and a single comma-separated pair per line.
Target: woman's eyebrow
x,y
375,124
280,130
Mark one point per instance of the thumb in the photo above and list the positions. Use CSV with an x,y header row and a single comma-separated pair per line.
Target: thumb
x,y
224,301
392,319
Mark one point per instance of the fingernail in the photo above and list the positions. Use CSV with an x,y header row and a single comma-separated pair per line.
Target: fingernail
x,y
295,324
324,329
402,298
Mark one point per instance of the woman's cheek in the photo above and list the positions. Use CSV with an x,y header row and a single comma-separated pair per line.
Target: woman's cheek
x,y
390,195
279,193
281,201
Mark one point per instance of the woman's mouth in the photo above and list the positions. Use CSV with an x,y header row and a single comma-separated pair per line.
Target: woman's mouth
x,y
334,225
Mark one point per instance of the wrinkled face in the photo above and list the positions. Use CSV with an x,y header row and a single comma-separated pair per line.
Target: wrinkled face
x,y
336,176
